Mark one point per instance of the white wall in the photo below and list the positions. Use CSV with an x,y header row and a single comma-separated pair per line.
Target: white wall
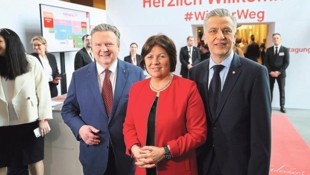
x,y
24,19
290,18
137,23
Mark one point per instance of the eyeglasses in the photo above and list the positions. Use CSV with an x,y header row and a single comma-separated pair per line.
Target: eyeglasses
x,y
5,31
37,45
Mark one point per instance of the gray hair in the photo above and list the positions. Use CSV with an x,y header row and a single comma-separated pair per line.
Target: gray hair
x,y
105,28
220,12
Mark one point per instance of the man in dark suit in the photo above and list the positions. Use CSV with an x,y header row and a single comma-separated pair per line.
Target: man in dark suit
x,y
133,57
189,56
239,136
252,50
97,126
277,60
84,56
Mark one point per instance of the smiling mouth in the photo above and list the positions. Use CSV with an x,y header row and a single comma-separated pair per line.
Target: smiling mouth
x,y
156,68
220,44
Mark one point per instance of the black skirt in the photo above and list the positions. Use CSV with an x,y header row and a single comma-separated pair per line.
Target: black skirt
x,y
19,146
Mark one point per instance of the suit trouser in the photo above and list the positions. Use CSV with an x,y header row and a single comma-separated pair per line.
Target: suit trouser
x,y
281,84
111,168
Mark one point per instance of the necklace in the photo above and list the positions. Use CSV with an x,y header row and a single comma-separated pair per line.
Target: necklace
x,y
162,88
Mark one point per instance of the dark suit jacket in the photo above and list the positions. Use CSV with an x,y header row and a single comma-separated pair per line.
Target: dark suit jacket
x,y
55,73
252,51
184,59
239,134
277,62
138,58
84,106
81,59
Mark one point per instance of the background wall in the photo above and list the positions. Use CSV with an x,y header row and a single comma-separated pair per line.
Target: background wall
x,y
137,20
24,19
180,18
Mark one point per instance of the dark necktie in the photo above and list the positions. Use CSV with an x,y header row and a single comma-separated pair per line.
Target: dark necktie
x,y
107,93
276,52
215,89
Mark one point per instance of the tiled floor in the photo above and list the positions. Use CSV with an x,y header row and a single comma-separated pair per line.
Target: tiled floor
x,y
300,119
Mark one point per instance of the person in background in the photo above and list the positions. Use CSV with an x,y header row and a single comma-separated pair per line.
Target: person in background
x,y
262,53
189,56
253,50
204,51
164,123
96,103
239,136
48,61
133,57
237,48
25,105
84,56
277,60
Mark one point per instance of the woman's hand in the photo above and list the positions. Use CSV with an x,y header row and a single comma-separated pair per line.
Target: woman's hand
x,y
44,127
56,80
149,156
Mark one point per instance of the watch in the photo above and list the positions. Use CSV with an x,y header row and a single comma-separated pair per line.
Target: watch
x,y
167,154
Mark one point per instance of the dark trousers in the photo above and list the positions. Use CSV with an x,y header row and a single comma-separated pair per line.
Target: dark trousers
x,y
111,168
281,84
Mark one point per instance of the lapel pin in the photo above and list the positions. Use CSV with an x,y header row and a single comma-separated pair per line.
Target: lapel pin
x,y
233,72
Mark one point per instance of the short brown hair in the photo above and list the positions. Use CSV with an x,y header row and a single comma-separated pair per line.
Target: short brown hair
x,y
164,42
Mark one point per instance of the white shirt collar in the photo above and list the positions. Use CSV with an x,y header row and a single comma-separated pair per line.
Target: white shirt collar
x,y
112,67
226,62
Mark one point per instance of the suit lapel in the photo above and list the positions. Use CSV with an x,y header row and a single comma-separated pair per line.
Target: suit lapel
x,y
232,76
121,81
94,86
202,84
87,56
20,82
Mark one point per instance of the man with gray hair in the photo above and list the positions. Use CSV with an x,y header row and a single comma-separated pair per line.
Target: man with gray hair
x,y
237,101
96,104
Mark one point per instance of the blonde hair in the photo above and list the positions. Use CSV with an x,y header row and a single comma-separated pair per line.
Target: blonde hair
x,y
41,39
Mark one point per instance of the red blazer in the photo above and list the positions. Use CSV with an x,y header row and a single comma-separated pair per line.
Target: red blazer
x,y
180,123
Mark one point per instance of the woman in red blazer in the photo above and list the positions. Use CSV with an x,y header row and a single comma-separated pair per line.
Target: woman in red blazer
x,y
165,120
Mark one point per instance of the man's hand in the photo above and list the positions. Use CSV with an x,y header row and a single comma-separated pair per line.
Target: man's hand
x,y
89,135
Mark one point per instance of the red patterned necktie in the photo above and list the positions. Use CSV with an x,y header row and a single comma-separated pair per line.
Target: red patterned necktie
x,y
107,93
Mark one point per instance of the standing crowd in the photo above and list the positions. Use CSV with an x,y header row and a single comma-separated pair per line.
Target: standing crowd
x,y
214,119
